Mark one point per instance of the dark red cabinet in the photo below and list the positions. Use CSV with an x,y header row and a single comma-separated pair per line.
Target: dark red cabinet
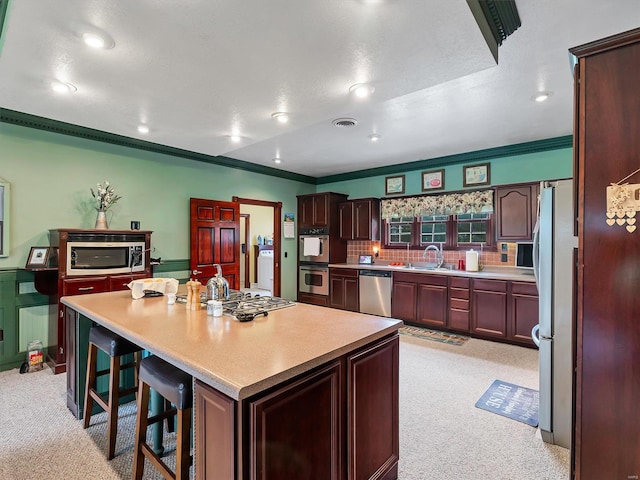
x,y
516,207
360,219
343,289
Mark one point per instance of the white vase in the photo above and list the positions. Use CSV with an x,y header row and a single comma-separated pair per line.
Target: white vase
x,y
101,221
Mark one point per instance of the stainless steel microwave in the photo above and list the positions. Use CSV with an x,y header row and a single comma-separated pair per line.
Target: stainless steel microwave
x,y
105,258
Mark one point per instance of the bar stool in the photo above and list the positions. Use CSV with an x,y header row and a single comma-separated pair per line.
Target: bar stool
x,y
176,387
115,346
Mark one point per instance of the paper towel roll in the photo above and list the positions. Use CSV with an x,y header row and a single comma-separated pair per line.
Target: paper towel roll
x,y
472,261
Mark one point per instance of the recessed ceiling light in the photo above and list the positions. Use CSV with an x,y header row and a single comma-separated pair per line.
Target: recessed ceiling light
x,y
374,137
281,117
277,160
361,90
93,40
541,96
143,129
235,138
63,87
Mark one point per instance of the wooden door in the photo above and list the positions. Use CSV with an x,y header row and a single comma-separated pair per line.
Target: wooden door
x,y
215,239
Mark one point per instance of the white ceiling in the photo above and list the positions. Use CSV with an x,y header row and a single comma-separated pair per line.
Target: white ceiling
x,y
196,71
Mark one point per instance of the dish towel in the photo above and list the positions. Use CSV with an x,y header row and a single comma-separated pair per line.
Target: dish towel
x,y
311,246
161,285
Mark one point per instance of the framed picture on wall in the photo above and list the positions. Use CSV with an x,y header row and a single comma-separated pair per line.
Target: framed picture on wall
x,y
433,180
394,185
38,257
479,174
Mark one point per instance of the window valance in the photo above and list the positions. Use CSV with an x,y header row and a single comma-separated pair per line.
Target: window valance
x,y
446,204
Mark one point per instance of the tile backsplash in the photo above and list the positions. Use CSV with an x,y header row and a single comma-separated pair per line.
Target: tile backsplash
x,y
493,258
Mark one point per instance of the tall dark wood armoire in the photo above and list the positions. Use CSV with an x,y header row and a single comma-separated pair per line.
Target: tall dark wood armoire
x,y
607,151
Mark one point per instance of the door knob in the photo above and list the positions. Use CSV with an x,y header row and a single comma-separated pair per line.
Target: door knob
x,y
196,272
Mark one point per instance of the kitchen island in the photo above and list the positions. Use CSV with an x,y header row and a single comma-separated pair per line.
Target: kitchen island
x,y
305,392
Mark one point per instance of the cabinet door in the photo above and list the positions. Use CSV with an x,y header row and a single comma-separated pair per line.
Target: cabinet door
x,y
305,211
302,421
514,209
320,210
403,301
345,213
336,291
432,305
373,412
524,312
351,294
489,308
362,220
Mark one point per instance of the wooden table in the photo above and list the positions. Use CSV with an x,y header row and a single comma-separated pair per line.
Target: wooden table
x,y
306,392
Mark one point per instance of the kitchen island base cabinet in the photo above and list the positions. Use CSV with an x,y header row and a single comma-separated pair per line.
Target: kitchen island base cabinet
x,y
307,427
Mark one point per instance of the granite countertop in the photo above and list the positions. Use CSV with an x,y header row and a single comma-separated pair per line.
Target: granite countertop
x,y
238,359
496,273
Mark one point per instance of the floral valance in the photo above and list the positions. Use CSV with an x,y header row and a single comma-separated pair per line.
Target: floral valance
x,y
446,204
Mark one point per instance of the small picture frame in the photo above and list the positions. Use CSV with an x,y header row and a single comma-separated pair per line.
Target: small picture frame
x,y
433,180
474,175
394,185
38,257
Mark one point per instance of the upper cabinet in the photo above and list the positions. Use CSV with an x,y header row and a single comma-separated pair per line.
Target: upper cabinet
x,y
360,219
317,210
516,207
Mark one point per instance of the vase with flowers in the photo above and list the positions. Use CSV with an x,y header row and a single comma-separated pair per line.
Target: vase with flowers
x,y
105,197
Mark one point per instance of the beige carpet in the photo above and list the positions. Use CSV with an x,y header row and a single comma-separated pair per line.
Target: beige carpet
x,y
442,435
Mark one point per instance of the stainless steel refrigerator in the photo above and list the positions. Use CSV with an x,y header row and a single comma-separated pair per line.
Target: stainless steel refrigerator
x,y
553,254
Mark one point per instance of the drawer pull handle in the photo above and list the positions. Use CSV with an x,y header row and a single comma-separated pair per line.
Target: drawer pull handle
x,y
85,289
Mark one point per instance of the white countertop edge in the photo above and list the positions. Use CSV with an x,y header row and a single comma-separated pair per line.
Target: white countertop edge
x,y
487,273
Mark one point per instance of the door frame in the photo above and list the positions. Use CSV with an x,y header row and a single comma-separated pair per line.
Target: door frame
x,y
277,233
247,250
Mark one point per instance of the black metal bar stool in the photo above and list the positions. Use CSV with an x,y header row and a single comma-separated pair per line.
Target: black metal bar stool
x,y
176,387
115,346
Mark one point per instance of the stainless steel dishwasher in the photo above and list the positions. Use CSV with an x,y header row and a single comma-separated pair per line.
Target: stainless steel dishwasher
x,y
375,292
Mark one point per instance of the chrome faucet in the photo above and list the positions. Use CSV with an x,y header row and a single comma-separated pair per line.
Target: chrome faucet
x,y
439,255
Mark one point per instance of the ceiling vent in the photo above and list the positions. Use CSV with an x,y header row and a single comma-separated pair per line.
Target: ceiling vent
x,y
345,122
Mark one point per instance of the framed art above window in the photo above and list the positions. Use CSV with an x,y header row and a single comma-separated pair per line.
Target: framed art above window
x,y
394,185
474,175
433,180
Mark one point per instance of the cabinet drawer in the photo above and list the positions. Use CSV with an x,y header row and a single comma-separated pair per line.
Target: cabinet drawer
x,y
490,285
343,272
459,304
121,282
459,282
459,320
524,288
429,279
459,293
80,286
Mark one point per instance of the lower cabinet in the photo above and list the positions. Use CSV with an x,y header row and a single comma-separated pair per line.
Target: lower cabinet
x,y
502,310
420,298
489,308
524,312
339,421
343,288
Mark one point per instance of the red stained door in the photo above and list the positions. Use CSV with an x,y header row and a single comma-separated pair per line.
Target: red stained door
x,y
215,238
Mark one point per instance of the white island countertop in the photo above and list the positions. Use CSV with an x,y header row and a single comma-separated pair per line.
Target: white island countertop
x,y
237,359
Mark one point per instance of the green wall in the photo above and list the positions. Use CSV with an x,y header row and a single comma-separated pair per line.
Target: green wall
x,y
547,165
51,174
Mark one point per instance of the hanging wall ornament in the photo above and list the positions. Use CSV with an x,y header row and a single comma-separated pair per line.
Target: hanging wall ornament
x,y
623,201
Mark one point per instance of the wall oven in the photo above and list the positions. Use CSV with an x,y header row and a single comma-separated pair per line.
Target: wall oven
x,y
313,248
313,279
105,258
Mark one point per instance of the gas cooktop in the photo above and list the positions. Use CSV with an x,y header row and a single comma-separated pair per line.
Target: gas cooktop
x,y
245,304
